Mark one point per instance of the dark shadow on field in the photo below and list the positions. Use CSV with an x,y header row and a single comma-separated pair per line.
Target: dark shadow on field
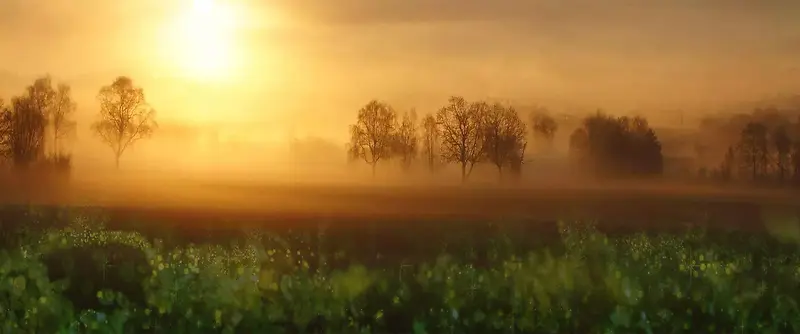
x,y
18,222
88,270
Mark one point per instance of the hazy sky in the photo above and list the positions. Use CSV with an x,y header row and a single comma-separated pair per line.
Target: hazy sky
x,y
305,66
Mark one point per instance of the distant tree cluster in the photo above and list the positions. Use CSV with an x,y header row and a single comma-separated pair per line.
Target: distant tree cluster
x,y
616,146
464,133
467,133
767,150
36,125
544,128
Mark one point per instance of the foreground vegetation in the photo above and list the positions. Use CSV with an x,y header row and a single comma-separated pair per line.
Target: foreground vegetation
x,y
83,278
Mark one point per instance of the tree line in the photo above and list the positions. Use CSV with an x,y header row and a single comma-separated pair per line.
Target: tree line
x,y
36,125
466,133
767,151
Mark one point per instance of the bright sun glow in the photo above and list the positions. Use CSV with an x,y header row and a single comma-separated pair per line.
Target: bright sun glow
x,y
202,42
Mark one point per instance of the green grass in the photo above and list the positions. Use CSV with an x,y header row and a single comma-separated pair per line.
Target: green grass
x,y
80,278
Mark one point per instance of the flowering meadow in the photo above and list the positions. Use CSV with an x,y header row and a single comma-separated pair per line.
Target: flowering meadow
x,y
84,278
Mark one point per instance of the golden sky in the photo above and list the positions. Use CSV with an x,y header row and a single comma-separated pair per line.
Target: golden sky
x,y
299,67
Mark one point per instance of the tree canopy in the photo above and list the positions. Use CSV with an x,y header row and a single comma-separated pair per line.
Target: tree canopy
x,y
373,135
461,125
616,146
125,116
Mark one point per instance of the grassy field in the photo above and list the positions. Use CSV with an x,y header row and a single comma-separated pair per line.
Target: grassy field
x,y
442,260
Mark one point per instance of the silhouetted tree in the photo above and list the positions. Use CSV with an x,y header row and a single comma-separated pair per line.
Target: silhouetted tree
x,y
544,127
783,149
795,159
726,168
504,136
41,96
24,123
754,149
617,146
125,116
644,145
372,136
430,141
462,136
405,143
62,126
5,130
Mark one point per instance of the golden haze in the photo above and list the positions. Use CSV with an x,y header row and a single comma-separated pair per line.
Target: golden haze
x,y
235,81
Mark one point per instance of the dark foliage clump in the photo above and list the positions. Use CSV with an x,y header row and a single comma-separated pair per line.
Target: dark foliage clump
x,y
609,146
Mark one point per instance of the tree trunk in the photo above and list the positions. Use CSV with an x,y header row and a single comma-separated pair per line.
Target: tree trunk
x,y
55,142
373,169
500,173
116,160
463,172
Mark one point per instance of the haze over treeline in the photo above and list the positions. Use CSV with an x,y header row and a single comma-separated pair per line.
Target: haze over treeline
x,y
301,70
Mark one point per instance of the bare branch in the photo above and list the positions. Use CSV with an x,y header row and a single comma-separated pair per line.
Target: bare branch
x,y
373,134
125,116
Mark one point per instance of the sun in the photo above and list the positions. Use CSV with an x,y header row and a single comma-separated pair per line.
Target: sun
x,y
202,43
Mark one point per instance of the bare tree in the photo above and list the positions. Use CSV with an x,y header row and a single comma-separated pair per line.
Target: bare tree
x,y
41,95
430,141
462,135
63,107
125,116
372,136
544,127
26,132
754,149
405,143
504,136
783,148
23,124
